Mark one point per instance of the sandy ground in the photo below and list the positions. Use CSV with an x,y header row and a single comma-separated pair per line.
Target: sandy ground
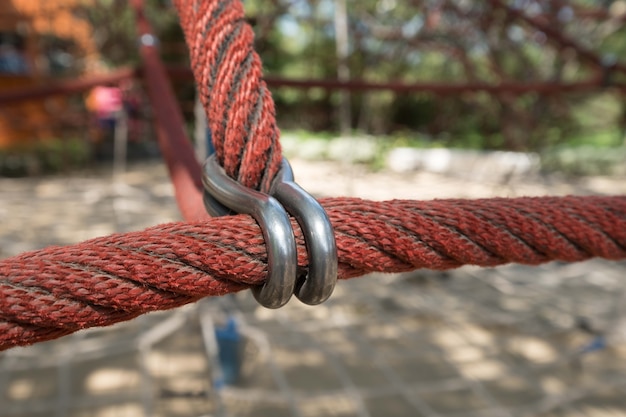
x,y
509,341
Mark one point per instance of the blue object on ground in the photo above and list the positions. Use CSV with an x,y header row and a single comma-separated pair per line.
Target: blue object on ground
x,y
229,346
597,343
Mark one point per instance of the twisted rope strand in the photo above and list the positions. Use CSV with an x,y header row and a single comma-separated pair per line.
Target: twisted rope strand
x,y
55,291
239,106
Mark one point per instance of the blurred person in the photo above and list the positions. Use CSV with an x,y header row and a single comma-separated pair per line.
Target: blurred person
x,y
105,104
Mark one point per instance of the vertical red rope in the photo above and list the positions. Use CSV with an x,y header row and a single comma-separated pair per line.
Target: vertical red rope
x,y
238,104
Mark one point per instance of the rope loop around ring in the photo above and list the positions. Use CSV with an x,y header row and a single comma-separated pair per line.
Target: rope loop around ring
x,y
224,196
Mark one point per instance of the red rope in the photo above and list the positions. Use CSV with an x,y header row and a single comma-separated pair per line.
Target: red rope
x,y
228,73
55,291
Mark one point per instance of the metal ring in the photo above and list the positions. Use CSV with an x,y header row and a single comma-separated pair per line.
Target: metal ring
x,y
275,225
319,237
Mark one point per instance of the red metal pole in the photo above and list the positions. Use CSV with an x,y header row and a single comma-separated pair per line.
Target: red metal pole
x,y
175,146
519,88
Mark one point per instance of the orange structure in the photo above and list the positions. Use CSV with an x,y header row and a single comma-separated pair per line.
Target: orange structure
x,y
40,40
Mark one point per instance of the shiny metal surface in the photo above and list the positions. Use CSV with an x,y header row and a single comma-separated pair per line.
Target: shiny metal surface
x,y
274,223
319,237
224,196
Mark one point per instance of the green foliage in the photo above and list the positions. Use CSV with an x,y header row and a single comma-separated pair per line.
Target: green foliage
x,y
409,42
115,32
59,154
585,160
304,135
45,157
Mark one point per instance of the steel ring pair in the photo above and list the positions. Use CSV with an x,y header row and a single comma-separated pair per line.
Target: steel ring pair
x,y
224,196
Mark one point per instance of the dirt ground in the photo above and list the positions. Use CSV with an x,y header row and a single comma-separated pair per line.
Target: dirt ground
x,y
508,341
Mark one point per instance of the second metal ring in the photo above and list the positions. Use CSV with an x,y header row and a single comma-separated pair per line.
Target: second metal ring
x,y
224,196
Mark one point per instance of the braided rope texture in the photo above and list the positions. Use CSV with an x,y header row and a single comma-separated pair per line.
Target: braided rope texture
x,y
239,105
52,292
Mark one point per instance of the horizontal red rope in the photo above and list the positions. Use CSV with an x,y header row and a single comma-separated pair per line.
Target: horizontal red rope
x,y
24,93
55,291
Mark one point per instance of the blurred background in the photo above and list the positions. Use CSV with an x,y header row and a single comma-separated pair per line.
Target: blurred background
x,y
533,76
377,99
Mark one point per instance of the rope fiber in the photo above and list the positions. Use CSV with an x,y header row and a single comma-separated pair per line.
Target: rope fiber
x,y
55,291
228,73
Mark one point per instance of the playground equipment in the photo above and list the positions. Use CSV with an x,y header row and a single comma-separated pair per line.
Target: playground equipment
x,y
392,236
116,278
